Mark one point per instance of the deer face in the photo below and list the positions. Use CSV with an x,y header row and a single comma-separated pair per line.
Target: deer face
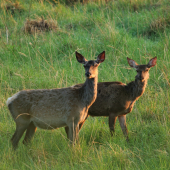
x,y
142,70
91,66
91,69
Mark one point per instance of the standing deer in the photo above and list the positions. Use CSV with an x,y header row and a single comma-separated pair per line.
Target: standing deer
x,y
54,108
116,99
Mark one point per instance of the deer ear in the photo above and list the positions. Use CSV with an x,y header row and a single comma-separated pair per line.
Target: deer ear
x,y
152,62
80,58
101,57
132,63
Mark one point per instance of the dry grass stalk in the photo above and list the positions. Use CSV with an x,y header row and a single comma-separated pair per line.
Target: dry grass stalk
x,y
39,25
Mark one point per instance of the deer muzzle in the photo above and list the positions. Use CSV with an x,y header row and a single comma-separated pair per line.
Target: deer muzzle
x,y
88,74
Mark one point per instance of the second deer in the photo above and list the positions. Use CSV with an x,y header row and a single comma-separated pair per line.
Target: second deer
x,y
54,108
116,99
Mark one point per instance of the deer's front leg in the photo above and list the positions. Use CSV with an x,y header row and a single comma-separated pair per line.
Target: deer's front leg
x,y
78,129
80,126
73,130
122,121
73,134
112,121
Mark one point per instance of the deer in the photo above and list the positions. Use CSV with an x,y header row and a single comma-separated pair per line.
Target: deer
x,y
116,99
54,108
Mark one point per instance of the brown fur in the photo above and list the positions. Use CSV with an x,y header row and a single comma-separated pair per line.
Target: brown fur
x,y
115,99
54,108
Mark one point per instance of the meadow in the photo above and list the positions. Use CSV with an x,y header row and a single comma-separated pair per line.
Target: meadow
x,y
138,29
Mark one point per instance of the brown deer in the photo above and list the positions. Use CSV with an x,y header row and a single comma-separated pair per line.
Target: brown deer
x,y
54,108
116,99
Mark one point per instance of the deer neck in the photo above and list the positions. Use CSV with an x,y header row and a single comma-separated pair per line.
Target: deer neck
x,y
136,88
89,91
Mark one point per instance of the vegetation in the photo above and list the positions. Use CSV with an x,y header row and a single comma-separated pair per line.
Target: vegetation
x,y
138,29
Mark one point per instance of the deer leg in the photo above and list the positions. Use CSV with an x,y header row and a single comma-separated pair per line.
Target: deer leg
x,y
80,126
73,134
68,131
112,121
20,129
29,133
122,121
73,131
77,130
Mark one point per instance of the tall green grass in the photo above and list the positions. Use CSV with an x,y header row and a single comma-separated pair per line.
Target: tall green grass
x,y
138,30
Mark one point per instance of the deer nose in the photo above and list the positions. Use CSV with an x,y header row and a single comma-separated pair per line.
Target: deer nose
x,y
87,74
141,77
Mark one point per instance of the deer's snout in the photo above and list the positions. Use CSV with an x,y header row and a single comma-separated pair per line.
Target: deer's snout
x,y
88,74
140,76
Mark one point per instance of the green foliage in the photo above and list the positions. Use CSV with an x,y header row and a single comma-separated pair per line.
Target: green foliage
x,y
134,29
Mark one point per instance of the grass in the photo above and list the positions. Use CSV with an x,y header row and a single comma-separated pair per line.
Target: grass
x,y
138,30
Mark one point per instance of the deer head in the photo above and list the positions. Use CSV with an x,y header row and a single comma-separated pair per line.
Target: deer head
x,y
142,70
91,66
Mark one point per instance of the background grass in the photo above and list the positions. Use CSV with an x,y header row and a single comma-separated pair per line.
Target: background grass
x,y
134,29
